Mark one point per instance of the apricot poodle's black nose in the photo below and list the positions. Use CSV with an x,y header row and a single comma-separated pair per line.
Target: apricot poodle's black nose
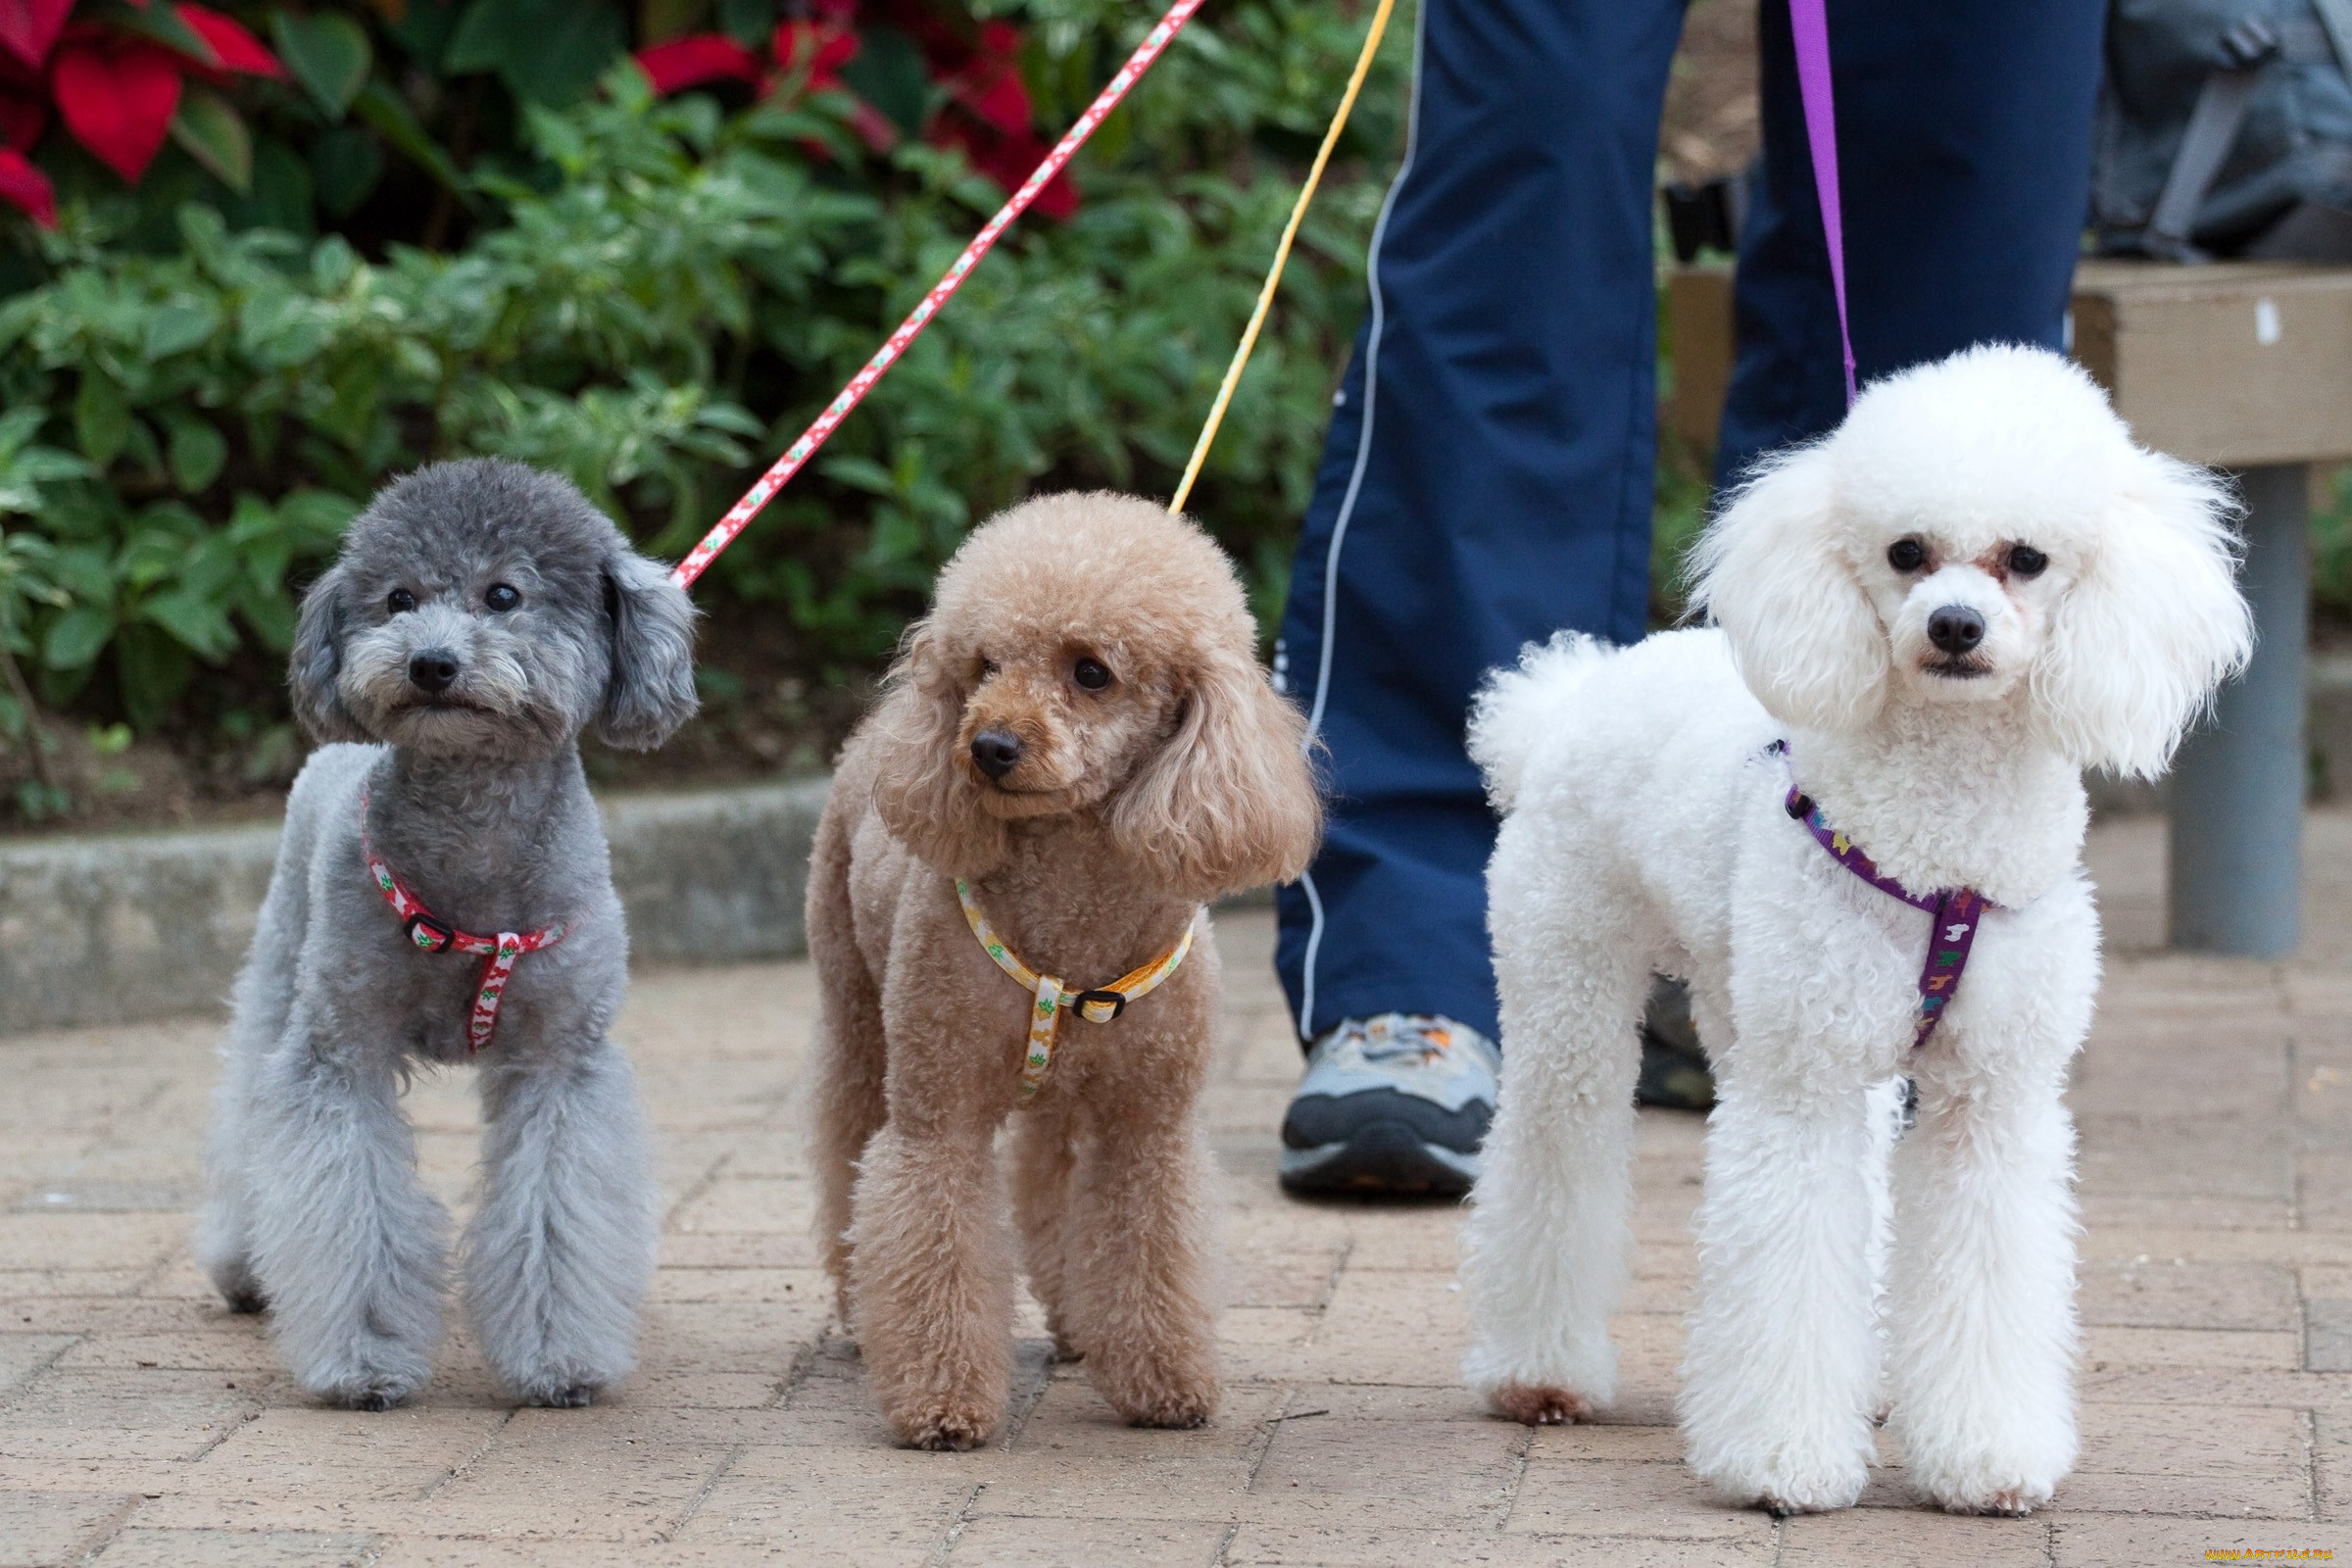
x,y
996,752
433,671
1956,629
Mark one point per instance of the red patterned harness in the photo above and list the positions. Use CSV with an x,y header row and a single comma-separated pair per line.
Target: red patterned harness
x,y
499,952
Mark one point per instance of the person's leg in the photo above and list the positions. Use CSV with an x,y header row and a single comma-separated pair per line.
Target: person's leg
x,y
1964,137
1486,481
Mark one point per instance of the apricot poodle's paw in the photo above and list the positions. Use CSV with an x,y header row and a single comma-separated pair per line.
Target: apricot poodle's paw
x,y
946,1426
1179,1409
1181,1391
1539,1404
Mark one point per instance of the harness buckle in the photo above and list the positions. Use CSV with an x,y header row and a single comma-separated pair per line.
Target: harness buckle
x,y
429,934
1114,1000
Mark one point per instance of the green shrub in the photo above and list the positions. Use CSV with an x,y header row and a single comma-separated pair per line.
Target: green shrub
x,y
667,302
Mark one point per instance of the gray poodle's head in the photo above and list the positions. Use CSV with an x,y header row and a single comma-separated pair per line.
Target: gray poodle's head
x,y
481,607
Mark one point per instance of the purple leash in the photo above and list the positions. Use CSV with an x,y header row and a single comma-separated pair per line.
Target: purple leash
x,y
1956,912
1809,24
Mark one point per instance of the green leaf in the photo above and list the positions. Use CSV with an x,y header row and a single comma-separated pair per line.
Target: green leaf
x,y
101,419
748,22
346,164
161,23
328,53
197,452
201,625
888,73
180,326
549,51
77,636
214,135
389,113
153,668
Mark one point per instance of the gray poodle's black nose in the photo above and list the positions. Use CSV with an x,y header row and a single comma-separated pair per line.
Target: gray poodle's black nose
x,y
996,752
433,671
1956,629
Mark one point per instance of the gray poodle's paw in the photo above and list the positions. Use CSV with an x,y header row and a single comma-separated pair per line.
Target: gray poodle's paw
x,y
375,1394
563,1396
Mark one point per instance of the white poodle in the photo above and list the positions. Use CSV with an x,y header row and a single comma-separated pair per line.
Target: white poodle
x,y
1931,622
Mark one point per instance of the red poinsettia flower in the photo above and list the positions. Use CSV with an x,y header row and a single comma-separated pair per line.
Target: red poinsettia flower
x,y
988,113
26,188
692,62
989,117
29,29
117,91
116,95
233,48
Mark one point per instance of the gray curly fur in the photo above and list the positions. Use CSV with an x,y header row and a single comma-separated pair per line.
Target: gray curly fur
x,y
312,1206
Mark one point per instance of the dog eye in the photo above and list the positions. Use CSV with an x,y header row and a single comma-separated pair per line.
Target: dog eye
x,y
988,667
1090,674
400,600
2027,562
1906,555
502,598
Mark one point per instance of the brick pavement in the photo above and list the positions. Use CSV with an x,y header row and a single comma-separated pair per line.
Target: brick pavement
x,y
141,1424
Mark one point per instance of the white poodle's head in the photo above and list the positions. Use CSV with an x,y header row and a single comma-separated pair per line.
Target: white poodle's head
x,y
1983,530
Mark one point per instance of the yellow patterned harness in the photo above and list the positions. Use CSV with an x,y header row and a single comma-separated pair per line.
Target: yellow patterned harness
x,y
1099,1006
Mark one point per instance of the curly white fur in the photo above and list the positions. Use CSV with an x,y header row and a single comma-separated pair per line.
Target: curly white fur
x,y
1645,829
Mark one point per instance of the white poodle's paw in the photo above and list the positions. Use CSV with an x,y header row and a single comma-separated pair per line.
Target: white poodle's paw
x,y
1990,1485
1541,1405
1787,1477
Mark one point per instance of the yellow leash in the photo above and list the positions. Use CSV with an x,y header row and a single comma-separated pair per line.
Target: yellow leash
x,y
1282,254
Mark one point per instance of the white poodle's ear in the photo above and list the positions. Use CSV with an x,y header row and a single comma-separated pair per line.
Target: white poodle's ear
x,y
2154,623
1806,640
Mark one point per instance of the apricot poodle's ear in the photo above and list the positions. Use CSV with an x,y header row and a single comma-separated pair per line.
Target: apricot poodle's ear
x,y
2154,625
1229,801
928,803
1805,639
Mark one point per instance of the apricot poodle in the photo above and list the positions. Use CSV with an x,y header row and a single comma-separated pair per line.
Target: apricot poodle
x,y
1076,750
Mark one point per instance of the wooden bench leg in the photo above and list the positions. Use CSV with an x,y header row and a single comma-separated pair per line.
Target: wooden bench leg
x,y
2239,785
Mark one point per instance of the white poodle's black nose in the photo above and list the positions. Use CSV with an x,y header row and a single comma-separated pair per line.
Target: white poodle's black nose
x,y
433,671
1956,629
996,752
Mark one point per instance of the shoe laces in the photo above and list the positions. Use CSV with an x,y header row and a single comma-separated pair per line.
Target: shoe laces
x,y
1395,1037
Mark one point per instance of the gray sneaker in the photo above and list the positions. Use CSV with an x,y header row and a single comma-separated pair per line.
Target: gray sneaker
x,y
1393,1103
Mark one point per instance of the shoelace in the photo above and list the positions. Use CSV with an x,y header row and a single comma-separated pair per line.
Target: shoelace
x,y
1425,1038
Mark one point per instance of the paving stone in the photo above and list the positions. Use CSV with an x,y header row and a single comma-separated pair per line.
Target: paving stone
x,y
1912,1538
1009,1543
50,1529
234,1548
141,1421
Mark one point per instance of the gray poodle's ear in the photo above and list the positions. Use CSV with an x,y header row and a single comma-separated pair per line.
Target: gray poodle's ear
x,y
318,659
651,622
928,803
1229,801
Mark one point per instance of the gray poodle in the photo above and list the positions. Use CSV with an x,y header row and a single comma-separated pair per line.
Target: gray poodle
x,y
443,894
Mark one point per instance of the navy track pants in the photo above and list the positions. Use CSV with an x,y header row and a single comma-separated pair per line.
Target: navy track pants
x,y
1488,474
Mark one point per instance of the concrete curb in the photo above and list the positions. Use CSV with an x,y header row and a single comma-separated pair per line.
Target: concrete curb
x,y
112,928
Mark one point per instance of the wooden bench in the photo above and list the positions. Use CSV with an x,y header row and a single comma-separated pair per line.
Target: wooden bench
x,y
2245,367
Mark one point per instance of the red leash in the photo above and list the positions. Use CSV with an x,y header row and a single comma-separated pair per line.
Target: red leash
x,y
797,454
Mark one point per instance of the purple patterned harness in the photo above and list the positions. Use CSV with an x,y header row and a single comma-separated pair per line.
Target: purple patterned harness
x,y
1956,911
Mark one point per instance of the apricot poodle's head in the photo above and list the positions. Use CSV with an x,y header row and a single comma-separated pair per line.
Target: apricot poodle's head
x,y
1093,654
